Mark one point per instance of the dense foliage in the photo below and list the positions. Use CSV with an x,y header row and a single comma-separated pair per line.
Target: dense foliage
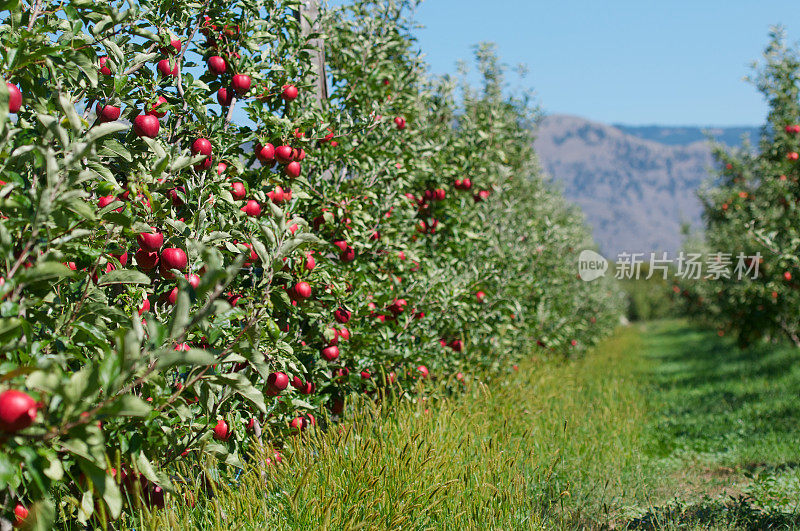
x,y
201,252
753,209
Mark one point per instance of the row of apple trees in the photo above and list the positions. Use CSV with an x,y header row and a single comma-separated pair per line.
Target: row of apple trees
x,y
204,248
752,210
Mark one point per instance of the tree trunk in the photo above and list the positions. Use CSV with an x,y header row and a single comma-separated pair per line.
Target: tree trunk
x,y
309,23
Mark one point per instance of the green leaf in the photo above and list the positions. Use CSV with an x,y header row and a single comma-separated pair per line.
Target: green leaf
x,y
127,406
124,276
192,357
243,386
45,271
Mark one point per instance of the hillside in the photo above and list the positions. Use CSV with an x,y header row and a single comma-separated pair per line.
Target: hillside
x,y
634,190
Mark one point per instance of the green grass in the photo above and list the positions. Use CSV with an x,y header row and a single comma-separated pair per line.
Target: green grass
x,y
663,426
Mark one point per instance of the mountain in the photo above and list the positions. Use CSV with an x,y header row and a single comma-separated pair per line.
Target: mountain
x,y
636,185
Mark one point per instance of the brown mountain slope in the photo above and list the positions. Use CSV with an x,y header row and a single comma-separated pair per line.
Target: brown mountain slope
x,y
635,192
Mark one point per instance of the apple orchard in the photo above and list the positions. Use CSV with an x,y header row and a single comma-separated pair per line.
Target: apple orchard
x,y
214,232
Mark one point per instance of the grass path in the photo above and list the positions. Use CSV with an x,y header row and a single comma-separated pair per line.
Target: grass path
x,y
655,429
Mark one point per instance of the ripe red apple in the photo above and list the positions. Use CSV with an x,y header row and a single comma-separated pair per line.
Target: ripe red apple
x,y
150,241
252,208
201,146
173,48
266,153
457,345
193,279
146,260
20,513
423,371
222,431
241,83
107,113
341,315
298,424
344,334
302,290
793,155
145,306
172,298
221,167
15,98
166,69
107,200
398,306
787,276
216,65
480,296
293,169
146,125
289,92
400,122
177,202
238,191
310,262
284,154
330,352
277,381
152,110
172,258
17,410
439,194
225,96
106,71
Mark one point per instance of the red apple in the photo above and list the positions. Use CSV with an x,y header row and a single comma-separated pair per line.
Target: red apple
x,y
150,241
457,345
177,202
238,191
787,276
166,69
310,262
330,353
152,110
17,410
106,113
277,381
21,514
341,315
252,208
146,125
289,92
221,431
241,83
106,71
173,48
216,65
400,122
201,146
193,279
172,258
298,424
293,169
15,99
145,306
107,200
221,167
302,290
344,334
423,371
284,154
439,194
266,153
146,260
480,296
225,96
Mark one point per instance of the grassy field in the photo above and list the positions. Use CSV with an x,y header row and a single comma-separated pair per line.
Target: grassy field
x,y
663,426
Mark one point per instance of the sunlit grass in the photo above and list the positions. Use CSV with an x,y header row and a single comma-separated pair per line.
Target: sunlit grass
x,y
552,443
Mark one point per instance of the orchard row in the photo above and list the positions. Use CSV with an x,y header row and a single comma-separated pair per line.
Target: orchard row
x,y
203,253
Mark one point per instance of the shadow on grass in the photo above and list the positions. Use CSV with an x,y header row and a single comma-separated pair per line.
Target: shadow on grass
x,y
733,513
712,397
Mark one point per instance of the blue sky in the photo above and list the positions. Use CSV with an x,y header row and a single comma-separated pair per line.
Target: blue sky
x,y
671,62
